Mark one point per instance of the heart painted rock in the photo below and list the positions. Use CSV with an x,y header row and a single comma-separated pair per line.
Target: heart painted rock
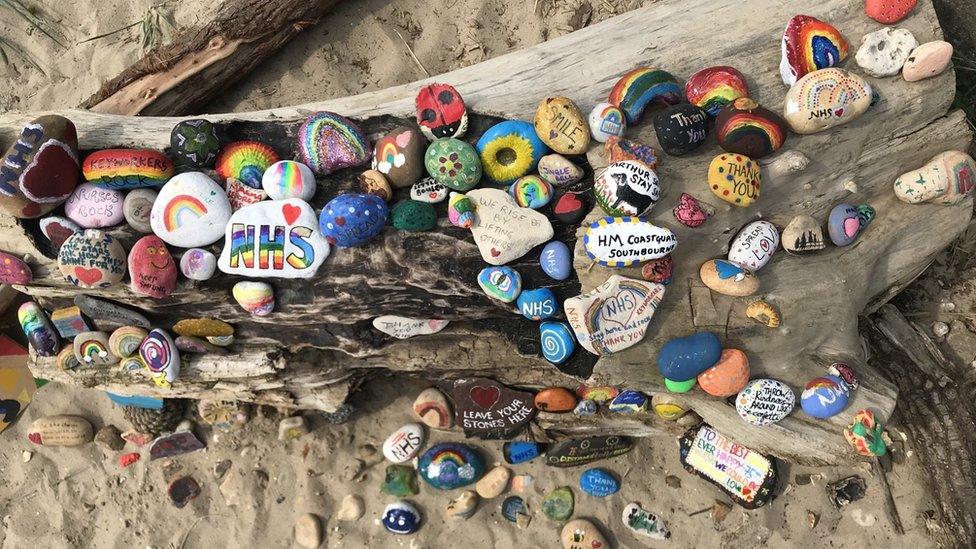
x,y
644,523
402,327
598,483
754,245
765,401
137,207
487,409
561,126
351,220
531,191
57,229
288,179
824,397
888,12
152,270
803,235
558,504
92,349
928,60
627,188
432,407
69,322
190,211
744,127
618,149
683,358
728,278
606,121
125,341
92,259
824,99
38,329
453,163
328,142
61,430
581,533
494,483
273,239
404,443
571,207
681,128
198,264
502,283
401,517
245,161
580,451
399,155
509,150
450,465
40,169
537,304
127,168
735,178
728,376
843,225
628,402
559,171
946,179
428,190
556,341
412,215
556,260
642,88
15,271
195,143
810,44
94,208
441,111
256,298
884,51
497,217
692,212
625,241
373,182
520,451
555,400
161,356
748,477
660,270
614,315
715,87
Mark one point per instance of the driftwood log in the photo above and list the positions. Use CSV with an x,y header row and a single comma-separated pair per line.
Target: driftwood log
x,y
320,343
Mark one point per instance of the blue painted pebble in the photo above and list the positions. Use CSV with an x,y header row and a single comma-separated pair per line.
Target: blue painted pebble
x,y
629,402
509,150
537,304
351,220
683,358
557,341
512,508
844,224
824,397
401,517
556,260
450,465
502,283
520,451
598,482
585,408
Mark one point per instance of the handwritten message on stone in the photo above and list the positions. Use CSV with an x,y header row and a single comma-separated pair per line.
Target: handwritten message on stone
x,y
488,409
733,467
615,315
624,241
504,231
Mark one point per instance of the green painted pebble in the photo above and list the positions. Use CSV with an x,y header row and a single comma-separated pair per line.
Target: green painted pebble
x,y
401,481
558,504
413,215
453,163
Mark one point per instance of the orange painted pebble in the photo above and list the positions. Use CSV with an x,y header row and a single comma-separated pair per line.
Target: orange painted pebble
x,y
729,375
555,399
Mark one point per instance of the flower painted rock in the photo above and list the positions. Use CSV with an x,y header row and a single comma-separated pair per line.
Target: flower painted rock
x,y
402,327
728,376
713,88
152,270
744,127
627,188
644,87
502,283
866,435
580,451
256,298
493,483
581,533
843,225
40,169
558,504
571,207
683,358
245,161
692,212
92,349
400,156
660,270
598,483
824,397
763,312
681,128
644,523
93,208
614,315
161,356
273,239
127,168
555,400
190,211
428,190
15,271
432,407
561,126
946,179
735,178
328,142
373,182
288,179
537,304
556,341
558,171
754,245
198,264
628,402
888,12
401,517
556,260
765,401
497,215
61,430
487,409
195,143
884,51
453,163
509,150
441,112
137,207
618,149
928,60
518,451
824,99
728,278
450,465
531,191
606,121
803,235
125,341
57,229
413,215
92,259
38,329
351,220
810,44
404,443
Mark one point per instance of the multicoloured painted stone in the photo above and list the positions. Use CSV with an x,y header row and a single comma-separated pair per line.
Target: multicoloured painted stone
x,y
509,150
125,341
728,376
866,435
765,401
660,270
581,533
728,278
460,210
161,356
256,298
373,182
948,178
764,313
245,161
428,190
497,215
288,179
681,128
69,322
599,394
198,264
691,212
735,178
744,127
644,523
92,259
802,235
556,341
40,169
843,225
561,126
57,229
92,349
749,478
558,170
351,220
328,142
753,246
531,191
441,111
399,155
38,329
614,315
643,87
190,211
137,208
555,400
401,517
15,271
558,504
66,359
195,143
629,402
453,163
556,260
400,481
667,407
928,60
713,88
515,510
152,269
824,397
624,241
402,327
500,282
810,44
684,358
598,483
450,465
93,208
824,99
127,168
432,407
413,215
240,195
884,52
618,149
537,304
606,121
628,187
865,215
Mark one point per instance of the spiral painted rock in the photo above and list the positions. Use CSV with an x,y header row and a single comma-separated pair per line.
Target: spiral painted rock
x,y
158,351
746,128
557,341
715,87
810,44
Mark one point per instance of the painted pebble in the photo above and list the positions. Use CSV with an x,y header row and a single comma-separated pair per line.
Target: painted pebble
x,y
571,207
463,506
494,483
644,523
555,400
67,360
245,161
203,327
888,12
642,88
516,452
404,443
598,483
745,127
402,327
606,121
556,341
580,534
40,168
537,304
763,312
15,271
728,376
844,372
124,341
428,190
809,44
199,346
93,208
92,259
61,430
328,142
152,269
754,245
683,358
928,60
460,210
627,188
399,155
580,451
735,178
824,99
803,235
600,395
614,315
450,465
585,408
667,407
509,150
69,322
865,215
137,207
628,402
559,171
256,298
884,51
351,220
413,215
57,229
441,112
715,87
400,481
198,264
558,504
37,327
561,126
240,195
680,386
373,182
843,225
692,212
515,510
288,179
497,212
824,397
453,163
531,191
432,407
556,260
660,270
195,143
618,149
728,278
765,401
681,128
161,356
866,435
127,168
190,211
502,283
401,517
948,178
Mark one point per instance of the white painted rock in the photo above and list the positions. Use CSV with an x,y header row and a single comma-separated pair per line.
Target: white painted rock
x,y
308,531
625,241
884,51
504,231
198,264
765,401
582,534
946,179
494,483
432,407
190,211
802,235
61,430
404,443
136,208
628,187
614,315
93,208
278,238
824,99
754,245
92,259
606,121
558,170
644,523
428,190
161,357
288,179
402,327
928,60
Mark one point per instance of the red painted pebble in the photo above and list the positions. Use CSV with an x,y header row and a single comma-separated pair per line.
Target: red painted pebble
x,y
888,11
13,270
126,460
152,268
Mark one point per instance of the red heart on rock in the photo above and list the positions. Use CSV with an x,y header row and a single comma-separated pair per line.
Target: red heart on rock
x,y
291,213
839,112
52,175
569,202
88,276
485,397
888,11
34,437
495,253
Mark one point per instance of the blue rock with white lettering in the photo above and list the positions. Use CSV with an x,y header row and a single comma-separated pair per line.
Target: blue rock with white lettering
x,y
683,358
557,341
351,220
584,408
521,451
537,304
825,397
556,260
629,402
598,482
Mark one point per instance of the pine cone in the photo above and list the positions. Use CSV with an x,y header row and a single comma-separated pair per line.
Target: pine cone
x,y
154,422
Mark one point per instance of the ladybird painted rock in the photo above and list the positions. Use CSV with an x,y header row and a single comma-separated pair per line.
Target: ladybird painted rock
x,y
127,168
40,169
441,111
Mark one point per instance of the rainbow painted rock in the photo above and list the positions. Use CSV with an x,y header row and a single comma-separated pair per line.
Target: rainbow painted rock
x,y
561,126
628,187
824,397
453,163
190,211
643,87
69,322
245,161
40,169
92,349
728,278
161,356
946,179
38,329
460,210
531,191
614,315
765,401
93,208
606,121
127,168
152,269
744,127
624,241
510,150
824,99
195,143
715,87
288,179
441,111
809,44
735,178
328,142
866,435
125,341
618,149
256,298
843,225
450,465
351,220
13,270
399,155
92,259
433,408
501,282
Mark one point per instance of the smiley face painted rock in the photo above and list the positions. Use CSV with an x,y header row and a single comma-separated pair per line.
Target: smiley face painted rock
x,y
400,156
810,44
40,169
946,179
614,315
92,259
843,225
401,517
190,211
161,356
606,121
735,178
728,278
441,111
93,208
351,220
560,124
127,168
765,401
754,245
37,327
627,188
824,99
152,269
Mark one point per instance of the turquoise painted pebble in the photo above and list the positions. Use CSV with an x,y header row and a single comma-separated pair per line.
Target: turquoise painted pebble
x,y
557,341
865,215
521,451
450,465
585,408
351,220
413,215
537,304
556,260
683,358
629,402
502,283
598,482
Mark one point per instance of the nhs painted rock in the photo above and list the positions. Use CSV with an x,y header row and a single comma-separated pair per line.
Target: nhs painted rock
x,y
754,245
556,260
40,169
683,358
92,259
521,451
190,211
504,231
625,241
502,283
351,220
606,121
556,341
946,179
824,397
628,187
765,401
450,465
843,225
158,351
537,304
273,239
614,315
824,99
404,443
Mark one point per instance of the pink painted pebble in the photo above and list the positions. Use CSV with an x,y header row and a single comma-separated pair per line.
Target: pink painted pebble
x,y
152,268
93,208
13,270
927,60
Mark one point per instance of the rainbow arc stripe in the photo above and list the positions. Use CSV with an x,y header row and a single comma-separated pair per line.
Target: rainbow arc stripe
x,y
641,87
180,206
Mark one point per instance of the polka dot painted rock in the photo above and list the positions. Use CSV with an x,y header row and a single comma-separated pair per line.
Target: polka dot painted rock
x,y
288,179
735,178
728,376
502,283
256,298
810,44
127,168
824,99
884,51
245,161
413,215
195,143
57,229
450,465
642,88
928,60
158,351
428,190
351,220
888,12
744,127
948,178
399,156
558,170
92,259
715,87
627,188
556,260
614,315
510,150
824,397
40,169
94,208
754,245
15,271
537,304
453,163
728,278
843,225
441,111
683,358
137,207
765,401
624,241
190,211
681,128
328,142
152,269
198,264
606,121
556,341
561,126
531,191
